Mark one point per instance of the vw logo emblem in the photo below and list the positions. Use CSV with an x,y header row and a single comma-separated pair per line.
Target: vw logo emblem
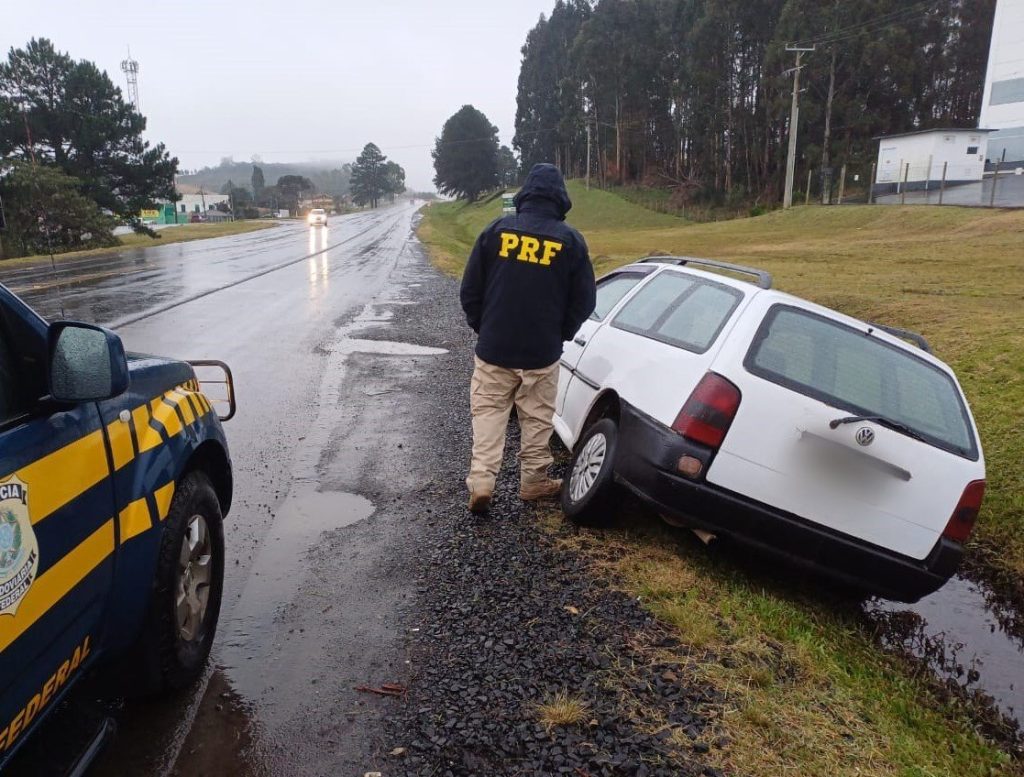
x,y
865,435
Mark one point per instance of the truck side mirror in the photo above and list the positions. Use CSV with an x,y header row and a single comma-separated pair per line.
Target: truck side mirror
x,y
87,363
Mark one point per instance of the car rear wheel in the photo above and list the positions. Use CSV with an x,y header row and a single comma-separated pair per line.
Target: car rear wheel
x,y
590,495
188,584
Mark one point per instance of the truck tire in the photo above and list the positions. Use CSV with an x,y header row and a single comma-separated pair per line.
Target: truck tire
x,y
590,495
187,588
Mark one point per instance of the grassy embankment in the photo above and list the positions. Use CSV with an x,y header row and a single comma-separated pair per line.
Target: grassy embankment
x,y
181,234
807,690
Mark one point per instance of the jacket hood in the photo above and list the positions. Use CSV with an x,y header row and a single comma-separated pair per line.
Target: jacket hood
x,y
545,182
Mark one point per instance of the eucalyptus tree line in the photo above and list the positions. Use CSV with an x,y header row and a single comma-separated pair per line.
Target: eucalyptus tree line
x,y
695,93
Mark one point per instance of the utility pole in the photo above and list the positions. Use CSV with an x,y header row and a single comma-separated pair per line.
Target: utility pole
x,y
794,115
588,155
3,226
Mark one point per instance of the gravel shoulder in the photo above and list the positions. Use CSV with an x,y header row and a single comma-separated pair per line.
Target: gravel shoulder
x,y
507,630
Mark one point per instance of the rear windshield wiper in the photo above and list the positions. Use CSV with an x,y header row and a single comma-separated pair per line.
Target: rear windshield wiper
x,y
896,426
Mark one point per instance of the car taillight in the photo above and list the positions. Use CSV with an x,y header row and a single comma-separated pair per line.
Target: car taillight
x,y
966,513
708,413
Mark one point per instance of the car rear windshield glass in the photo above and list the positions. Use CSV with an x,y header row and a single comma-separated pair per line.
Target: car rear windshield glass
x,y
862,375
611,289
680,310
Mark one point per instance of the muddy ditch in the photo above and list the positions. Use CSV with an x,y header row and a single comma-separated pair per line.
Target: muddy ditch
x,y
970,634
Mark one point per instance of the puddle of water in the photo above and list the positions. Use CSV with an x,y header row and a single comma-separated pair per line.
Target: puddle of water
x,y
388,348
251,650
956,631
253,653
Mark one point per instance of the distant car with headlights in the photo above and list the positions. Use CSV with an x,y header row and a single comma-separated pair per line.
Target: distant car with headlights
x,y
834,444
317,217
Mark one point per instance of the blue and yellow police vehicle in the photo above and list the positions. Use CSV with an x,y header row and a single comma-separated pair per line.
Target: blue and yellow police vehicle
x,y
114,481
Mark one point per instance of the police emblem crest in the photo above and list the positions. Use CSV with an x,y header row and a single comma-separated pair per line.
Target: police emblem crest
x,y
19,550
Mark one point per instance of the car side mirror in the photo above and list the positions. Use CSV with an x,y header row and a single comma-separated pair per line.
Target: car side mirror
x,y
87,363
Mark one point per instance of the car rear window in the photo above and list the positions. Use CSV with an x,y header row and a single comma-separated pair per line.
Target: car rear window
x,y
611,289
680,310
863,375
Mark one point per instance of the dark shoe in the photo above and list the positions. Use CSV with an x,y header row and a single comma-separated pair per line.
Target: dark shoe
x,y
479,502
545,489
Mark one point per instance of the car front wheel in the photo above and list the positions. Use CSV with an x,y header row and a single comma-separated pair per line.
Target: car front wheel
x,y
189,580
590,495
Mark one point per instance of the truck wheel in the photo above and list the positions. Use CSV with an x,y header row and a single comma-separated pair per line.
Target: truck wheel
x,y
187,589
590,495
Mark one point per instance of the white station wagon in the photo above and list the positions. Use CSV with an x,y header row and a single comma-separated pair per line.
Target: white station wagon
x,y
842,446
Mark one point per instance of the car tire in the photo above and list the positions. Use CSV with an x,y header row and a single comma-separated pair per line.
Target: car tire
x,y
187,588
590,495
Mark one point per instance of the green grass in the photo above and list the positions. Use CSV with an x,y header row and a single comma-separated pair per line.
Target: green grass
x,y
802,686
954,274
450,228
180,234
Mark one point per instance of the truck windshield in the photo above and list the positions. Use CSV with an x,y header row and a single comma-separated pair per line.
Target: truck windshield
x,y
858,373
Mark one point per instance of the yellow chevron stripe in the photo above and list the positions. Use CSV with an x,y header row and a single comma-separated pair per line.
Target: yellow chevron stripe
x,y
72,470
64,474
54,584
163,497
149,437
120,443
181,400
164,415
134,519
197,406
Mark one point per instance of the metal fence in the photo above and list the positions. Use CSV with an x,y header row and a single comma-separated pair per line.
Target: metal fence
x,y
915,184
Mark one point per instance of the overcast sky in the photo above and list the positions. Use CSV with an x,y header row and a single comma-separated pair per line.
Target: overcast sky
x,y
294,81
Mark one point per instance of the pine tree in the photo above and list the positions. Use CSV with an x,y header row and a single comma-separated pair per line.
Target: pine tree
x,y
466,155
373,177
80,123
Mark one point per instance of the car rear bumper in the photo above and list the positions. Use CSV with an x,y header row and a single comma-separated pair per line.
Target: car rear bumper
x,y
646,463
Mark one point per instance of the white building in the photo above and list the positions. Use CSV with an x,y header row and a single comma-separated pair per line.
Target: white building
x,y
1002,105
920,160
200,203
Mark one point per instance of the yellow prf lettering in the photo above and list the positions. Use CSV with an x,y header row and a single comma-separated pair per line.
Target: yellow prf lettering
x,y
551,250
528,249
509,240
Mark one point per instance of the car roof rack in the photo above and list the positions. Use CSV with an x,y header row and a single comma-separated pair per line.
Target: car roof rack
x,y
764,278
905,334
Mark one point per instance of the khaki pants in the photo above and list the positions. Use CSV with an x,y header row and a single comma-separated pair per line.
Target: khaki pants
x,y
492,392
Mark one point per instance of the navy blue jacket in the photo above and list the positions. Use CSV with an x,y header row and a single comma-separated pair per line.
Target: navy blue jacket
x,y
529,283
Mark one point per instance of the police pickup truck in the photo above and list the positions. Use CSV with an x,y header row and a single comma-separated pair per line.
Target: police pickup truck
x,y
114,481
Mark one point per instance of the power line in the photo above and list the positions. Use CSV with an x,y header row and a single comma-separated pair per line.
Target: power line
x,y
871,25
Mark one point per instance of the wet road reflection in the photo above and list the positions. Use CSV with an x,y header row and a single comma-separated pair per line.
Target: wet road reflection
x,y
319,262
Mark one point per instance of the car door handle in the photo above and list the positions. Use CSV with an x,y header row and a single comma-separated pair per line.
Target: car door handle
x,y
580,340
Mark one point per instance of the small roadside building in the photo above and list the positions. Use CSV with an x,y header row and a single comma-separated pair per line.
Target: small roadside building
x,y
200,203
180,212
923,159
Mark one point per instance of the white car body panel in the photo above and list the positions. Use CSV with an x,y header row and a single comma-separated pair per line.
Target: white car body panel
x,y
649,374
767,455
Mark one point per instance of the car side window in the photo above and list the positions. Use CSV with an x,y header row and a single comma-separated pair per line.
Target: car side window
x,y
12,398
611,289
682,311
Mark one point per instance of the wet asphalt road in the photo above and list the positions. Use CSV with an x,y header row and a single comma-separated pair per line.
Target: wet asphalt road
x,y
315,578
